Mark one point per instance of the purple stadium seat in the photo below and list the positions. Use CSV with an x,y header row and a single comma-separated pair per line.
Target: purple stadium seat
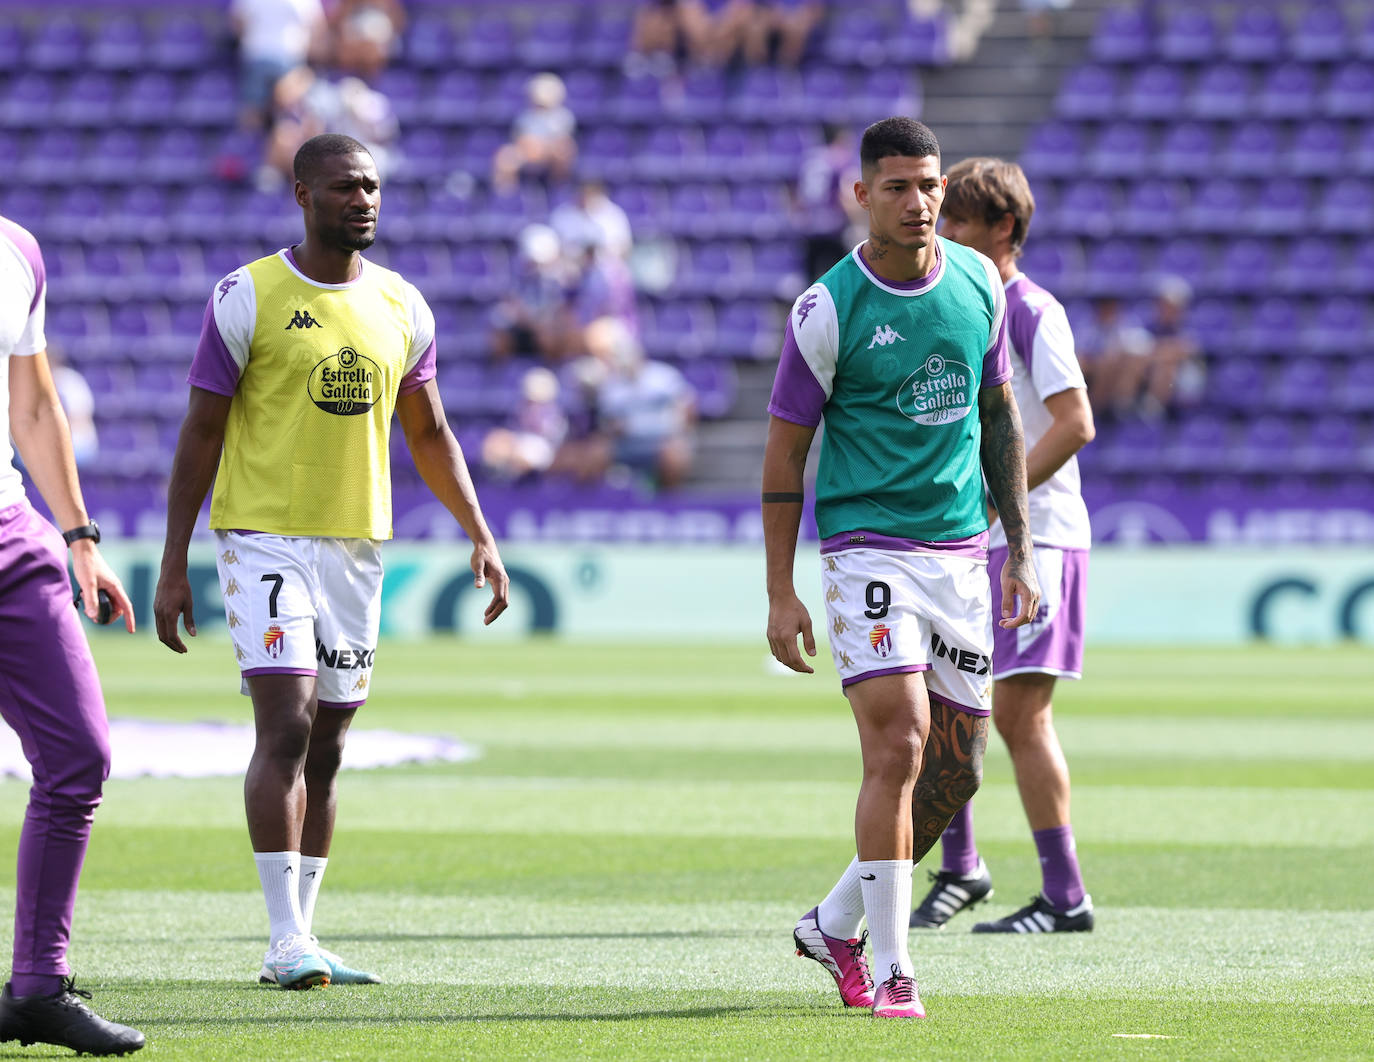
x,y
81,329
454,98
709,270
1148,203
1357,276
919,41
1187,35
1347,207
120,45
482,269
115,155
606,40
1129,445
696,209
1087,208
428,152
29,101
1266,445
779,261
645,205
1329,446
1224,91
825,93
1187,257
587,94
1338,327
1309,266
1361,157
764,92
714,380
1218,206
407,90
1349,92
729,149
192,218
670,151
11,45
57,44
1273,327
430,40
209,98
1256,35
1217,323
1283,207
1185,149
52,157
1198,445
502,97
605,151
1121,150
176,155
1319,149
680,329
860,37
786,146
1253,147
883,91
1289,91
172,271
1088,92
1321,34
1053,149
702,97
148,97
1123,35
182,42
1300,385
747,330
1356,390
1242,262
759,210
487,42
1364,37
550,41
638,98
1055,264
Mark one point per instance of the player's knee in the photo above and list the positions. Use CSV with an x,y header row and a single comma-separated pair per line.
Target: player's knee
x,y
965,781
287,741
84,766
896,761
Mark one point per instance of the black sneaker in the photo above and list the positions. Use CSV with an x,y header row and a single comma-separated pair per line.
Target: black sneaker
x,y
1039,917
951,894
65,1020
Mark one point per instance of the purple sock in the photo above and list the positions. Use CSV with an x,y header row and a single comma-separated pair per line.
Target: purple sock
x,y
1063,884
35,984
959,852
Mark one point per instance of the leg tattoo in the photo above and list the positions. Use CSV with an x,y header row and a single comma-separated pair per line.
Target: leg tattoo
x,y
950,773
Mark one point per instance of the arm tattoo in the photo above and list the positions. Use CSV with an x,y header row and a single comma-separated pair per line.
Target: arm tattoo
x,y
1004,467
783,496
951,771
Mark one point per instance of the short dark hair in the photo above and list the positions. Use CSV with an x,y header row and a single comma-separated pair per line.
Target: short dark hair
x,y
311,157
897,136
989,189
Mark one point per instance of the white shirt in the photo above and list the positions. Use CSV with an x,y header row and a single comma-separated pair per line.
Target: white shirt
x,y
277,29
1043,364
22,291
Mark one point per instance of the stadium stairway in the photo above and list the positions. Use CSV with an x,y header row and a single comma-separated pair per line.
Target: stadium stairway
x,y
983,106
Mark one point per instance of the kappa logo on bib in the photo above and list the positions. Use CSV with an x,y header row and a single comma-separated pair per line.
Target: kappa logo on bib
x,y
345,383
939,392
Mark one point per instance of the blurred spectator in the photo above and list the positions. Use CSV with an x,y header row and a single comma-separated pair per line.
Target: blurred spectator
x,y
781,29
541,141
275,37
527,447
306,105
600,285
645,413
1175,373
826,210
365,114
593,219
535,318
366,33
667,30
78,402
1114,350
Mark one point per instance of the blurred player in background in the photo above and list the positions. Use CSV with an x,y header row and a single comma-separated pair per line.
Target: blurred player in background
x,y
901,348
49,690
988,207
302,358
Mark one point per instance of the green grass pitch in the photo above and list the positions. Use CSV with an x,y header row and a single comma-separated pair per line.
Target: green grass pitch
x,y
618,875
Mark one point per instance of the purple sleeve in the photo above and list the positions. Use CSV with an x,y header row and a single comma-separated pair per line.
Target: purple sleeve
x,y
997,362
423,371
796,394
33,254
213,368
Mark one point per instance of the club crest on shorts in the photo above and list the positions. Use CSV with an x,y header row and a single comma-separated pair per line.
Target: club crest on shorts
x,y
880,637
273,640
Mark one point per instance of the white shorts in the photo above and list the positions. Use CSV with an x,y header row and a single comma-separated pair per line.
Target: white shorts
x,y
892,612
303,606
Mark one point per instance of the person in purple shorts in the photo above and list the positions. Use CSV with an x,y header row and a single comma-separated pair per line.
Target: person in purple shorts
x,y
49,691
988,207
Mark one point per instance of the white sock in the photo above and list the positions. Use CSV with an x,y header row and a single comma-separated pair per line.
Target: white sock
x,y
886,885
842,912
279,873
312,873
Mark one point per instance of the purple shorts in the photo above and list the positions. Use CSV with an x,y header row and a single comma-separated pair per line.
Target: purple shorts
x,y
1053,644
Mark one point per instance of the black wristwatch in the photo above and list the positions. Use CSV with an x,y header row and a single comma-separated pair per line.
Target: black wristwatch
x,y
91,530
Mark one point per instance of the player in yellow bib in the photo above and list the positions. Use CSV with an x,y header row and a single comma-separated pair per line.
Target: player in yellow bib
x,y
304,355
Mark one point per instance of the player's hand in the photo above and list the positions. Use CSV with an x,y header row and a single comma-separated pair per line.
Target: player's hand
x,y
93,575
1020,594
171,602
787,618
487,567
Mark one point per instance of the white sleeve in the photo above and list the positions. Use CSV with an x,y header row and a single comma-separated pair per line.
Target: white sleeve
x,y
816,327
236,314
422,327
1054,362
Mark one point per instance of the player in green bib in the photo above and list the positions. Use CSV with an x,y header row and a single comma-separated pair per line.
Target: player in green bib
x,y
901,350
